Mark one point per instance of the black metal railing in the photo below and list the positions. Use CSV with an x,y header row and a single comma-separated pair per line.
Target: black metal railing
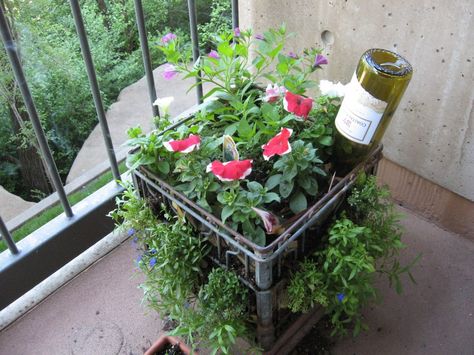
x,y
12,52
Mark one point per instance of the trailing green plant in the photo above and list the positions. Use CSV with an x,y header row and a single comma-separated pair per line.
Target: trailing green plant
x,y
132,213
171,262
365,240
219,313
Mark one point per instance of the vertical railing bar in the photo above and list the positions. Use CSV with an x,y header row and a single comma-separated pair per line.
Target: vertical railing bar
x,y
11,49
76,13
303,243
235,13
246,265
146,55
279,263
8,237
195,44
218,247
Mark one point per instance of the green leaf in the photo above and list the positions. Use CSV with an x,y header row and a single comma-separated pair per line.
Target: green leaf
x,y
244,129
254,186
231,129
273,181
326,140
224,49
286,187
163,166
270,197
227,211
304,181
298,202
214,186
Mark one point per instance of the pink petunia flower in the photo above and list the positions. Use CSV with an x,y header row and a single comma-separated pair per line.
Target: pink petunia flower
x,y
293,55
270,221
278,145
168,37
169,71
184,145
231,170
320,60
297,104
213,54
236,32
273,93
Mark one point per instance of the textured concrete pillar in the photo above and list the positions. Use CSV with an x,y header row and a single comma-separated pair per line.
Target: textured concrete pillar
x,y
432,133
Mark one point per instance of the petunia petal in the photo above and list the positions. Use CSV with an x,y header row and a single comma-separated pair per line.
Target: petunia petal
x,y
299,105
278,145
270,221
231,170
184,145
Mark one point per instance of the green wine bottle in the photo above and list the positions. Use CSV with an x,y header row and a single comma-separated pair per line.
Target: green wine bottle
x,y
371,99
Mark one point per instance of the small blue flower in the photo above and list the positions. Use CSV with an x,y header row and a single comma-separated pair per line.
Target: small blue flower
x,y
139,258
152,262
153,251
340,297
135,240
131,232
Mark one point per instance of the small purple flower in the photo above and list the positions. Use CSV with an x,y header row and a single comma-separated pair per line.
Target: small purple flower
x,y
131,232
153,251
168,37
139,258
236,32
320,60
293,55
213,54
152,262
169,71
135,240
340,297
260,37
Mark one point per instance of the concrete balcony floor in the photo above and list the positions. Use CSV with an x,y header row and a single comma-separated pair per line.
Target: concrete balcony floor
x,y
100,310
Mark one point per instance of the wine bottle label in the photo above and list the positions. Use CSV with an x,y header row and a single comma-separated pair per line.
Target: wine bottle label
x,y
359,114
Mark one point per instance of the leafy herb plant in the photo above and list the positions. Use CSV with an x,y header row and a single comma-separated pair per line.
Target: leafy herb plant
x,y
365,240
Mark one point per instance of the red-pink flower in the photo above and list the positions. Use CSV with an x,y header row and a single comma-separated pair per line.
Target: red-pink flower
x,y
231,170
278,145
297,104
184,145
270,221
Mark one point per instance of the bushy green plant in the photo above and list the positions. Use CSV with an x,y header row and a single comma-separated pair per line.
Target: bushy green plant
x,y
365,240
132,213
243,119
218,316
171,262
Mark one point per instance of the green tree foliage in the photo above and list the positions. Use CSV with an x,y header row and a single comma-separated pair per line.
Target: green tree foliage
x,y
56,75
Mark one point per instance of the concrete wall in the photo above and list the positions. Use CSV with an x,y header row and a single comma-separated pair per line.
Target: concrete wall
x,y
432,133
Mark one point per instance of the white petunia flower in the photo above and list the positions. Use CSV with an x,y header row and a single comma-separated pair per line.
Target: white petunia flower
x,y
163,104
331,89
